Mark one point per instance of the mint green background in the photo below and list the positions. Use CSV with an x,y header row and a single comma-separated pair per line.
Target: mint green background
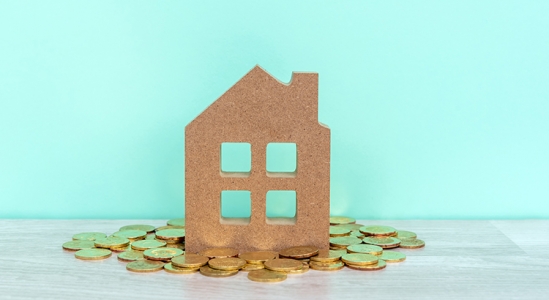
x,y
438,109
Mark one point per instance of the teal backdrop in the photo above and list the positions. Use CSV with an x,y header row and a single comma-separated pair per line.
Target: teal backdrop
x,y
438,109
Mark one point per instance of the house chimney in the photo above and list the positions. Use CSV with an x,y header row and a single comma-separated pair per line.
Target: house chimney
x,y
305,86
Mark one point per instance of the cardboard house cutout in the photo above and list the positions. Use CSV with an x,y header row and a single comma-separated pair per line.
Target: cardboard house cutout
x,y
259,110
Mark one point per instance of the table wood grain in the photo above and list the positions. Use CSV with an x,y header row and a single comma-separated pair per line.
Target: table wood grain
x,y
462,260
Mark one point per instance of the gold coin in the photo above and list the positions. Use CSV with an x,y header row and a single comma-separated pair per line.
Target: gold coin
x,y
207,271
121,249
304,269
151,236
171,234
412,244
283,264
171,269
147,244
392,256
266,276
143,266
378,230
252,267
357,233
299,252
349,226
344,241
147,228
363,248
341,220
338,265
92,254
339,231
403,234
359,259
189,261
178,246
328,255
258,257
78,245
169,227
130,255
162,253
89,236
176,222
378,266
219,252
227,263
325,263
383,242
131,234
112,241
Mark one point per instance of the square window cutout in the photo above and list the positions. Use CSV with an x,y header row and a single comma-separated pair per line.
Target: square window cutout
x,y
282,158
281,207
236,159
236,207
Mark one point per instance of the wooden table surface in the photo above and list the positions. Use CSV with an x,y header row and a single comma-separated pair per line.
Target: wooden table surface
x,y
462,260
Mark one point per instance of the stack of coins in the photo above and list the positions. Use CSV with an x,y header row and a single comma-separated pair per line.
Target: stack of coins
x,y
149,249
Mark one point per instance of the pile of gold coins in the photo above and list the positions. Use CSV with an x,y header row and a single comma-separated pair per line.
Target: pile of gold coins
x,y
149,249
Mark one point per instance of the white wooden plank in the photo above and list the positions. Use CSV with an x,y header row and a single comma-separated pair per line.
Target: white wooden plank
x,y
463,259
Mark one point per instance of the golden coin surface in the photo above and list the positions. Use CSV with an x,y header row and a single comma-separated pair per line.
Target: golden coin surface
x,y
358,234
344,241
176,222
341,220
325,263
328,255
380,265
359,259
178,246
339,231
171,234
89,236
144,266
131,234
189,261
304,269
162,253
151,236
349,226
258,257
299,252
169,267
227,263
392,256
219,252
169,227
321,267
207,271
130,255
111,241
92,254
147,228
147,244
251,267
412,244
75,245
364,248
403,234
378,230
283,264
266,276
383,242
121,249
